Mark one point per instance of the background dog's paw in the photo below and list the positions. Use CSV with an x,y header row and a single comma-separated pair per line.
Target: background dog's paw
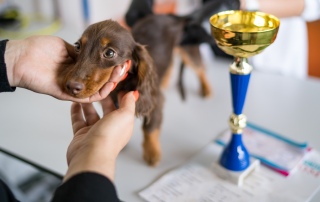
x,y
151,153
206,92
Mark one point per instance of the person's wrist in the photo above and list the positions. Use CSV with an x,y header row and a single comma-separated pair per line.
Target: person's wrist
x,y
98,141
243,5
102,147
94,157
11,57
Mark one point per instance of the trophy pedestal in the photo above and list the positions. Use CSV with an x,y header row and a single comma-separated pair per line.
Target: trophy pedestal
x,y
236,177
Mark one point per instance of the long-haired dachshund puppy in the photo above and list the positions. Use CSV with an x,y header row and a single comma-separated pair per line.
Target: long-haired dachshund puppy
x,y
104,46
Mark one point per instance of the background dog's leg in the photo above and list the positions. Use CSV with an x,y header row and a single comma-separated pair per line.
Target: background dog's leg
x,y
191,57
151,130
180,82
166,78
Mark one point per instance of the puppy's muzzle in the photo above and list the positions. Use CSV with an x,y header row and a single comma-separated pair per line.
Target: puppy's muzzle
x,y
74,87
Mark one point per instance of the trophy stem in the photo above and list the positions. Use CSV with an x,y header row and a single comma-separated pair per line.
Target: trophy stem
x,y
235,156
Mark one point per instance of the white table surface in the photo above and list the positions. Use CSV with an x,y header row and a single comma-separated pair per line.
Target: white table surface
x,y
38,127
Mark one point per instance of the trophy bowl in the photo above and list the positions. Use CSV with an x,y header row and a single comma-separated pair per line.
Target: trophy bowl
x,y
243,33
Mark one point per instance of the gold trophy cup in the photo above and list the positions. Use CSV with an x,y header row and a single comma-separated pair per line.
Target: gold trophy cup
x,y
242,34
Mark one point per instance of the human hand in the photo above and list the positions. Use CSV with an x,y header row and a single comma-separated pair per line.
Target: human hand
x,y
39,63
97,142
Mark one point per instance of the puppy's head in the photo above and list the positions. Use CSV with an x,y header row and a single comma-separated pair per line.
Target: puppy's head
x,y
101,48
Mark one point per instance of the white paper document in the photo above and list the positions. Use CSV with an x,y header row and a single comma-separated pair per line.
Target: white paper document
x,y
196,182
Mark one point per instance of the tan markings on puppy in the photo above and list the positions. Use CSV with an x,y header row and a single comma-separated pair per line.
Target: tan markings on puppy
x,y
99,77
104,41
143,66
84,39
151,147
95,81
197,66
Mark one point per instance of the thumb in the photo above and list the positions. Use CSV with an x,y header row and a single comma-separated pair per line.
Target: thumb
x,y
128,102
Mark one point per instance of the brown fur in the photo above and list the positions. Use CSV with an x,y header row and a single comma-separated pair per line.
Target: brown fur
x,y
166,78
191,57
84,39
151,147
93,70
162,35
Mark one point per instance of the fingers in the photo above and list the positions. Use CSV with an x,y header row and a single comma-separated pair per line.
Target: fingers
x,y
121,94
77,118
107,105
119,72
128,102
90,114
103,92
115,75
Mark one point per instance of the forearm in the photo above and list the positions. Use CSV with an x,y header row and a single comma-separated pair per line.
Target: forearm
x,y
282,8
279,8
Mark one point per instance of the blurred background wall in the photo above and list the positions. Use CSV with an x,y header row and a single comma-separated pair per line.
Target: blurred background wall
x,y
80,13
296,56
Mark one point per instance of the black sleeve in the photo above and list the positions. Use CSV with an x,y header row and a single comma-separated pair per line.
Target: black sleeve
x,y
4,83
5,193
86,187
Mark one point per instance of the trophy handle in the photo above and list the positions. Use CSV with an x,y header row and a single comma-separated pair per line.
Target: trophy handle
x,y
235,156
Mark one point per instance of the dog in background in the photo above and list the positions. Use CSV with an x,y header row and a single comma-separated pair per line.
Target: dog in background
x,y
165,35
182,35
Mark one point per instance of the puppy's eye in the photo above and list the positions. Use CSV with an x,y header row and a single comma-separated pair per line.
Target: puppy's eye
x,y
77,47
109,53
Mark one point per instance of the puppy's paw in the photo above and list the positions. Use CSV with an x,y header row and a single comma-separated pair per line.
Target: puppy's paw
x,y
152,152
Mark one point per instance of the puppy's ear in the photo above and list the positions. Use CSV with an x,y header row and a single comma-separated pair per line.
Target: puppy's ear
x,y
147,81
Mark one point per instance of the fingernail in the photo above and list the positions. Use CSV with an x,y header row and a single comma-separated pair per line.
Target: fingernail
x,y
136,95
114,85
124,67
124,77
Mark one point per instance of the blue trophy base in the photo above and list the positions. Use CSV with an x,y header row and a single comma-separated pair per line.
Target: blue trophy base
x,y
235,156
236,177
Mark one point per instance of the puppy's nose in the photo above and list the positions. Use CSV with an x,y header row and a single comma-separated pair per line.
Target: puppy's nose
x,y
74,87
